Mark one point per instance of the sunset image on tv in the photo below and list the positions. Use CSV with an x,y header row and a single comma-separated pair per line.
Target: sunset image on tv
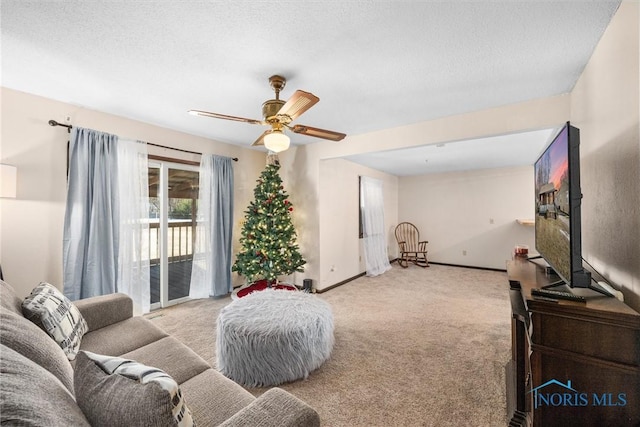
x,y
552,205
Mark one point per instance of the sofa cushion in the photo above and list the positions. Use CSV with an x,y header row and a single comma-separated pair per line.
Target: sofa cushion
x,y
32,396
113,391
122,337
48,308
33,343
214,398
173,357
9,299
275,407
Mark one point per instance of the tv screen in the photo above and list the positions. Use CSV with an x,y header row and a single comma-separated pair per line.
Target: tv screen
x,y
558,199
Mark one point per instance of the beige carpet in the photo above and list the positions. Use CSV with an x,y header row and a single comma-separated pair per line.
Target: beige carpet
x,y
414,347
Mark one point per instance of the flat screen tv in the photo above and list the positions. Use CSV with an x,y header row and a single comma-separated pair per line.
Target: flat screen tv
x,y
558,199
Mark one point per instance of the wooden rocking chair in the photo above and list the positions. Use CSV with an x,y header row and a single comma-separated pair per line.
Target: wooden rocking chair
x,y
411,248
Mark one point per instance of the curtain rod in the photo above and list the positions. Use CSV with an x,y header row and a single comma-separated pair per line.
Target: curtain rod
x,y
69,127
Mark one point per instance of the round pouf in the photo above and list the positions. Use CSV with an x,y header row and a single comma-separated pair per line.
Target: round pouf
x,y
272,337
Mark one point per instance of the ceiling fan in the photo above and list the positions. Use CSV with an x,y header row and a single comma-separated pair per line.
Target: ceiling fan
x,y
279,114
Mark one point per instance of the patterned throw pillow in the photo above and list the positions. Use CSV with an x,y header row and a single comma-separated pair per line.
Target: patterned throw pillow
x,y
48,308
112,391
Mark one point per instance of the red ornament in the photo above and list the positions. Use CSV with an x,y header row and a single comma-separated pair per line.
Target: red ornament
x,y
290,209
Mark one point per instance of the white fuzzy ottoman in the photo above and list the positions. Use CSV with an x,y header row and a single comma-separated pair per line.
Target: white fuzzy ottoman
x,y
273,337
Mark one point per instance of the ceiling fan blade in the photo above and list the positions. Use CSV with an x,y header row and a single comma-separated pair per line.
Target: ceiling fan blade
x,y
318,133
299,102
260,140
225,117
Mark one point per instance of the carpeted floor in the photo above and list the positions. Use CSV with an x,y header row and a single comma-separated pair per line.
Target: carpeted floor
x,y
414,347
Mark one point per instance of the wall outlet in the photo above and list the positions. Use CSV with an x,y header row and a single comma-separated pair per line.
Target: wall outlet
x,y
464,253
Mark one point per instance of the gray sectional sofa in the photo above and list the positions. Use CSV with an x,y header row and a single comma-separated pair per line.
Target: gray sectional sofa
x,y
37,379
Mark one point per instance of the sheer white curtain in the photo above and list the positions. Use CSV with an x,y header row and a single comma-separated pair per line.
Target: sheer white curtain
x,y
133,259
211,273
374,236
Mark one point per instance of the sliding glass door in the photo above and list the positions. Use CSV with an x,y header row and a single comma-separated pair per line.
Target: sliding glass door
x,y
173,195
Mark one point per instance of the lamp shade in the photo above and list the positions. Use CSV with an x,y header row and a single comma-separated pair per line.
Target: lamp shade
x,y
8,181
276,141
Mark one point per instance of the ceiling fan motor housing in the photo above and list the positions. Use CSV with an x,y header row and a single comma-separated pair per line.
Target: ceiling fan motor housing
x,y
271,107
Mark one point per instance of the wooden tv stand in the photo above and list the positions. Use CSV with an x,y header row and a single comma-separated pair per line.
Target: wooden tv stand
x,y
572,364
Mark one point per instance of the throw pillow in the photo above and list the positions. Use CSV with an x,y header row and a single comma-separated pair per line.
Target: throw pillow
x,y
48,308
112,391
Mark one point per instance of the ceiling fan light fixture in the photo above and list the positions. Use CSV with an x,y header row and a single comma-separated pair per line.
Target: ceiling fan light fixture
x,y
279,114
276,141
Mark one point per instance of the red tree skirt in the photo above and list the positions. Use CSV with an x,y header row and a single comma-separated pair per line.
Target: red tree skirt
x,y
261,285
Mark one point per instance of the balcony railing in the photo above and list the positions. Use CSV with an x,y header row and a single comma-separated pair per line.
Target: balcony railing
x,y
180,239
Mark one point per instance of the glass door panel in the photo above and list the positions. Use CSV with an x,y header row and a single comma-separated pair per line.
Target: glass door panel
x,y
183,196
154,232
173,195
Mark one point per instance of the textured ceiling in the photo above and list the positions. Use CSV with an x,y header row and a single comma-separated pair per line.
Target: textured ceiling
x,y
374,65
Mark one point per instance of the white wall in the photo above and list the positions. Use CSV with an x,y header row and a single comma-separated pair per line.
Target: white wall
x,y
325,198
299,176
301,165
31,225
472,212
341,252
605,106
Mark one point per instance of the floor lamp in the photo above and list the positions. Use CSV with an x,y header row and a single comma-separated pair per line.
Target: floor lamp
x,y
8,187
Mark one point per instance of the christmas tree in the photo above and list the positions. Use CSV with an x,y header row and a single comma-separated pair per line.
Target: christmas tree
x,y
268,239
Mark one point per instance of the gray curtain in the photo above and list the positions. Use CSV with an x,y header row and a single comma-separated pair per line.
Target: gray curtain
x,y
91,231
211,273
